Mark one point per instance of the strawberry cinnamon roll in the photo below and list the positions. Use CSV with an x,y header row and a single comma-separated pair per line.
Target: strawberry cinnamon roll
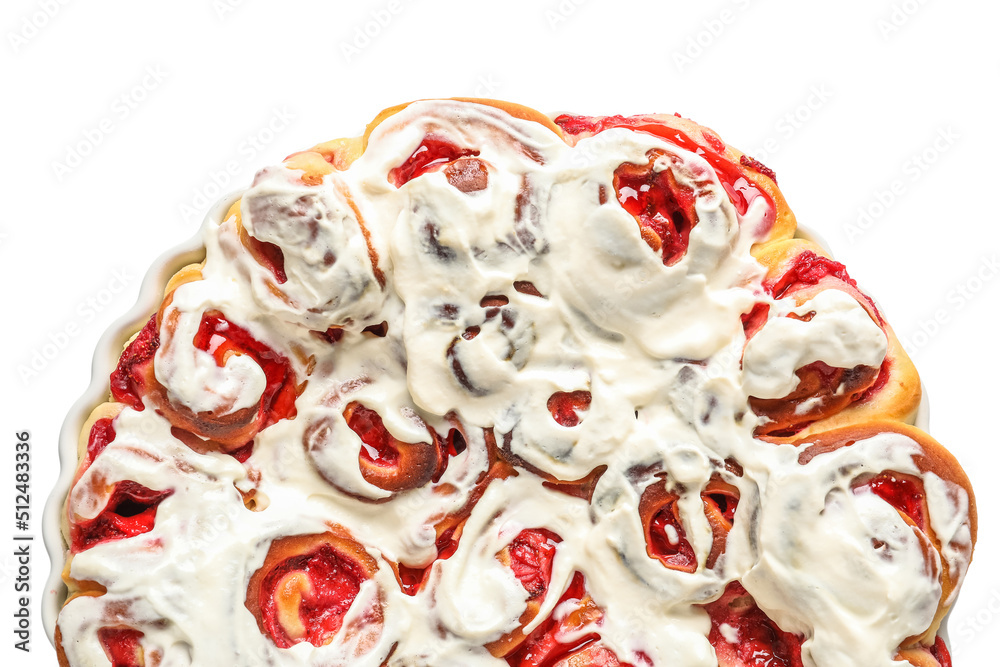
x,y
821,355
211,378
317,589
882,522
662,208
307,252
102,506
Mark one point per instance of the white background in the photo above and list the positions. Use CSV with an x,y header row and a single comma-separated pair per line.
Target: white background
x,y
842,99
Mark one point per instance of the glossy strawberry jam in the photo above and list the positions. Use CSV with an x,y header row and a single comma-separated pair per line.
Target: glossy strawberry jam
x,y
128,385
660,205
755,319
122,646
903,492
220,337
376,444
668,541
130,511
806,269
759,641
742,191
269,255
542,647
433,152
531,555
940,652
412,579
101,435
567,406
758,166
327,587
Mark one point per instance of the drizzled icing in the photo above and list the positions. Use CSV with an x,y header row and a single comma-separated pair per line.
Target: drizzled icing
x,y
659,350
191,376
839,332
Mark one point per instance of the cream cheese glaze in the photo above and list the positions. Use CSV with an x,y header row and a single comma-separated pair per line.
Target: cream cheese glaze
x,y
660,349
840,332
191,376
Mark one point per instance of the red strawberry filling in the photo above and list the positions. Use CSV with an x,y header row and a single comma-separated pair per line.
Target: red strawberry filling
x,y
531,555
547,646
566,407
130,511
377,446
122,646
806,269
743,635
903,492
128,381
317,589
663,208
742,191
432,153
412,579
668,542
940,652
268,255
389,463
101,435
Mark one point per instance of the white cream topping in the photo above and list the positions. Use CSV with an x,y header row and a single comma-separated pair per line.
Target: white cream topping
x,y
191,375
837,563
840,333
330,279
659,349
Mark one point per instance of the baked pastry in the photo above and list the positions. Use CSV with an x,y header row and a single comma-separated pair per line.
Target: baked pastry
x,y
481,387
